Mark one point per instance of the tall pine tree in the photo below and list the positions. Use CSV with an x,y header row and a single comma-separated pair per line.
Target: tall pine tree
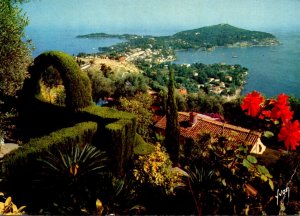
x,y
172,127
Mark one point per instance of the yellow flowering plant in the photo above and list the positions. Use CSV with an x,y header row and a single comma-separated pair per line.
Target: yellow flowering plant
x,y
9,208
156,169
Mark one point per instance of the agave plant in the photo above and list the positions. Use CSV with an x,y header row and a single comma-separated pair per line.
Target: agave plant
x,y
70,175
202,185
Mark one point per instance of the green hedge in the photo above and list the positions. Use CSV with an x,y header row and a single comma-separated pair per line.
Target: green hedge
x,y
116,131
22,162
117,135
77,84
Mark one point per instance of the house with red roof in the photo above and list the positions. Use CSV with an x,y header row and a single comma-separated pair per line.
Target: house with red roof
x,y
193,124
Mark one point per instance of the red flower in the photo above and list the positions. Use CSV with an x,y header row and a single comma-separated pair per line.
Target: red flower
x,y
281,109
265,114
252,103
290,134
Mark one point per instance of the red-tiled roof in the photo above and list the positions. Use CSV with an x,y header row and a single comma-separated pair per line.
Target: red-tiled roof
x,y
208,124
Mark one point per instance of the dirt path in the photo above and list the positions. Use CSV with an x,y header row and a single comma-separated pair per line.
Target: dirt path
x,y
6,148
116,66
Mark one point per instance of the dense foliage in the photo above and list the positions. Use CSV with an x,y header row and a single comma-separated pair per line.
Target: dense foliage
x,y
155,171
220,35
219,79
140,105
115,85
14,52
231,170
19,163
69,175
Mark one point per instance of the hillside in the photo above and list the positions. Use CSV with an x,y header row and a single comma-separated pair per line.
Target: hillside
x,y
223,35
116,66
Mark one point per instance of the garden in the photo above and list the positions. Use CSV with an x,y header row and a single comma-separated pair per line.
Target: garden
x,y
83,159
77,158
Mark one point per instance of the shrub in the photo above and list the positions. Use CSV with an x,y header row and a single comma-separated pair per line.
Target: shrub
x,y
21,163
77,84
101,86
123,84
235,169
140,105
202,184
119,196
155,170
54,95
117,133
70,176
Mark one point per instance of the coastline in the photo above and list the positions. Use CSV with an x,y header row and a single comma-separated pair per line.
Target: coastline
x,y
227,46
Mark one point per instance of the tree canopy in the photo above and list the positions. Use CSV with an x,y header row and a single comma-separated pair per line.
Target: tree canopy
x,y
14,51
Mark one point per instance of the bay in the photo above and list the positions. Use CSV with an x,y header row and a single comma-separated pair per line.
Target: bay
x,y
272,70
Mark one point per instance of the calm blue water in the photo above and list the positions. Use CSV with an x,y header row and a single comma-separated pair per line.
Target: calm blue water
x,y
272,70
65,40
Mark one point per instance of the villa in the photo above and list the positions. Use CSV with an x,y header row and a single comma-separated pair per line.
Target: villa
x,y
193,124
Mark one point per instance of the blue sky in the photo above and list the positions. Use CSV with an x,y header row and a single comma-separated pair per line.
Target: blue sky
x,y
125,16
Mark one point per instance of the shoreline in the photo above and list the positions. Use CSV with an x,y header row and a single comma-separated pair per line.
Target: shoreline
x,y
227,46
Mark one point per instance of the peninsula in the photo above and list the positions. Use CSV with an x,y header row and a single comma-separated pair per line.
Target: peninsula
x,y
205,38
151,54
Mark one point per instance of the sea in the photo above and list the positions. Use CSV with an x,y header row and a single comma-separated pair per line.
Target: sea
x,y
272,70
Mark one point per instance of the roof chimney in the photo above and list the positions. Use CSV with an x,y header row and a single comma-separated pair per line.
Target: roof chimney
x,y
193,118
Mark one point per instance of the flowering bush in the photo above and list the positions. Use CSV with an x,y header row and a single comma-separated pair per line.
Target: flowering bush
x,y
156,169
277,112
9,208
252,103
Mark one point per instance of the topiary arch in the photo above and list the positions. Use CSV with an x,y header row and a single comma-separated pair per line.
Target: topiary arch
x,y
77,84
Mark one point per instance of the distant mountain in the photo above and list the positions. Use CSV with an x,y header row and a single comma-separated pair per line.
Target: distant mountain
x,y
205,37
224,35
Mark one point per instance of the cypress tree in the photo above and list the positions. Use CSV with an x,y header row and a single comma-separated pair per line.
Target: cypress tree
x,y
172,127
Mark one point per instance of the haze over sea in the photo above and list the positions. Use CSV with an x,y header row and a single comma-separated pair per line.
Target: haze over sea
x,y
272,70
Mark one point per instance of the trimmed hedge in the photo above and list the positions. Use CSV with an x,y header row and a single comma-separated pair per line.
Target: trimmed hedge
x,y
22,162
116,131
117,134
77,84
